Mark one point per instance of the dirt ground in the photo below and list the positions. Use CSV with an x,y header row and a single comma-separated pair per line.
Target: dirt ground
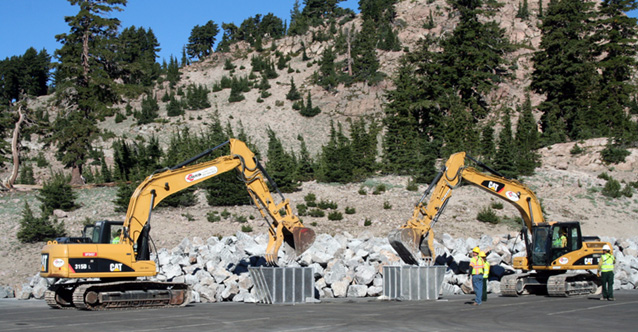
x,y
567,186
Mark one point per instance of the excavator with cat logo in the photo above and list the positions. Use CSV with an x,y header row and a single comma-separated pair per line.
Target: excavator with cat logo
x,y
557,259
109,267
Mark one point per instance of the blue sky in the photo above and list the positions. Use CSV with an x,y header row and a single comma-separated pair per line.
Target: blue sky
x,y
34,23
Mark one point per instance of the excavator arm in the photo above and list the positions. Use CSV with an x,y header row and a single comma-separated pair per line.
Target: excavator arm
x,y
283,227
415,239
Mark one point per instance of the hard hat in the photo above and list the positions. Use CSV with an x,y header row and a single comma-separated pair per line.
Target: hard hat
x,y
481,254
606,247
476,250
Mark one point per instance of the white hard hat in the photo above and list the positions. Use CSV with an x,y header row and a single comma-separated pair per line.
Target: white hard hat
x,y
606,247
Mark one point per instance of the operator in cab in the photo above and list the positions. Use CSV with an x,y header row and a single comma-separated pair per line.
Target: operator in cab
x,y
116,239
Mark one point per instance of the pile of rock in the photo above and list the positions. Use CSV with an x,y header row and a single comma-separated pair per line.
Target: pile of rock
x,y
344,266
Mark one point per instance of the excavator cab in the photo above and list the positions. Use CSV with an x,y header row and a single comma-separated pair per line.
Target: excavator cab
x,y
553,241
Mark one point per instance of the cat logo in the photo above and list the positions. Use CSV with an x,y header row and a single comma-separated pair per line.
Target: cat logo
x,y
492,185
116,267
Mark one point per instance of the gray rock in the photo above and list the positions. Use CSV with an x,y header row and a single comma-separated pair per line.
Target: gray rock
x,y
171,271
357,291
374,291
6,292
365,274
24,293
340,288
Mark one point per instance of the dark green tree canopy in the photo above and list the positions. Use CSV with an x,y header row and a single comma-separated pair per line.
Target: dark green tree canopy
x,y
201,41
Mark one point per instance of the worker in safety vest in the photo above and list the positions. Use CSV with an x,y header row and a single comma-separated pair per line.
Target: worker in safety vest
x,y
486,274
477,264
606,273
117,238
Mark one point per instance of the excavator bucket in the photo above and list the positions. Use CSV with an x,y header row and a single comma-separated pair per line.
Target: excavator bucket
x,y
303,238
405,242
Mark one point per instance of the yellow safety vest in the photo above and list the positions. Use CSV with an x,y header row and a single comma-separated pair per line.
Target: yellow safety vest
x,y
477,265
486,269
608,263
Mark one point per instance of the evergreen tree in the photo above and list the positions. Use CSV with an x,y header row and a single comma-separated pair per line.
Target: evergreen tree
x,y
298,23
28,73
308,110
150,110
56,193
505,162
305,166
327,72
527,141
281,166
564,70
616,38
364,148
201,41
36,229
336,162
85,79
137,53
523,10
487,147
173,75
365,62
293,94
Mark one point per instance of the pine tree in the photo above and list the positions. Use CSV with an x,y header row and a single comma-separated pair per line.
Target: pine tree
x,y
201,41
280,166
327,73
293,94
56,193
616,36
564,70
305,166
36,229
527,141
173,75
336,161
504,162
364,148
487,147
85,79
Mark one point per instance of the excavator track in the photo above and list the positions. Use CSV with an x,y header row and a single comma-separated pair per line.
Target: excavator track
x,y
118,295
572,284
514,284
60,296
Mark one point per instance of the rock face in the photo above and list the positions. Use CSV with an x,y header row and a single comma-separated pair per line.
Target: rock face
x,y
344,266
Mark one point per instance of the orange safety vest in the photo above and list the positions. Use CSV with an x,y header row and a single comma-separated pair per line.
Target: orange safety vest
x,y
477,265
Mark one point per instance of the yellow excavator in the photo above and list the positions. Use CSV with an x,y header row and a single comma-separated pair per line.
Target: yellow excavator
x,y
99,274
558,257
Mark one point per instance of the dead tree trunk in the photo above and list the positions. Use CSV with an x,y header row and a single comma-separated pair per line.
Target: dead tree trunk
x,y
15,150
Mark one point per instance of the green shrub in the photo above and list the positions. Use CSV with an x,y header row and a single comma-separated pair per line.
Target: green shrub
x,y
314,224
612,189
302,209
35,229
367,222
213,216
362,191
316,213
487,215
335,215
310,200
387,205
497,206
380,188
613,154
576,150
412,186
246,228
350,210
26,174
41,161
604,176
324,205
188,216
225,214
627,191
241,219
